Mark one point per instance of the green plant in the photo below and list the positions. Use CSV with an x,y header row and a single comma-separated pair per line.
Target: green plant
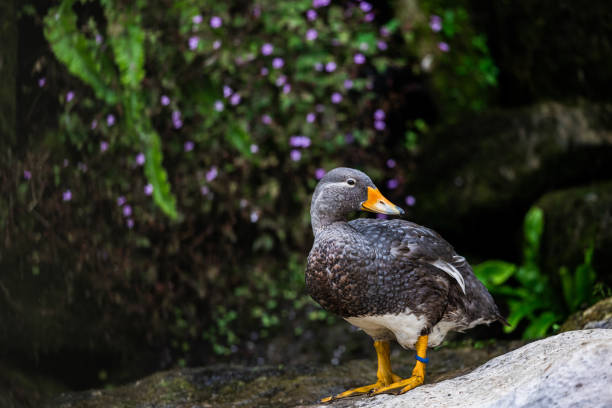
x,y
528,292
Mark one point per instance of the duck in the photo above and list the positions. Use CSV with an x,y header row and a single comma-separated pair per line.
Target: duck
x,y
393,279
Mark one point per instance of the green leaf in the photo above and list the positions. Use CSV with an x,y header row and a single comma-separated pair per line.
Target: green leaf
x,y
239,138
521,309
540,326
126,38
78,53
533,227
494,272
157,176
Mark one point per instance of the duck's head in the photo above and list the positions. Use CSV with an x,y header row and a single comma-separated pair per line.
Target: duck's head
x,y
344,190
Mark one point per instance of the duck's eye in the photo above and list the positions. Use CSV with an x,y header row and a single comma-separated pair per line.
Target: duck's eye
x,y
350,182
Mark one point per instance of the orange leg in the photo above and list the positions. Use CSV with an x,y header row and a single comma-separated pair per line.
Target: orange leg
x,y
418,374
384,374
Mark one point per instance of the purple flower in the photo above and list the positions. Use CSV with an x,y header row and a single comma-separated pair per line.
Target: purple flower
x,y
103,146
365,6
215,22
67,195
204,190
310,117
444,47
165,101
349,138
264,71
277,63
257,11
110,120
311,34
177,121
320,3
384,31
127,210
66,162
359,58
219,106
121,200
299,141
311,15
336,97
99,39
348,83
254,216
391,163
227,91
330,66
188,146
318,66
410,200
254,148
148,189
216,44
368,17
266,119
42,81
212,174
94,124
140,159
280,81
435,23
381,45
82,166
197,19
286,88
27,174
319,173
296,155
379,125
379,114
381,216
267,49
193,42
130,223
69,96
392,184
235,99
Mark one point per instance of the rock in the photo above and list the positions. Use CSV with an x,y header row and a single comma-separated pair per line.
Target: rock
x,y
476,179
573,61
598,316
575,219
280,386
571,369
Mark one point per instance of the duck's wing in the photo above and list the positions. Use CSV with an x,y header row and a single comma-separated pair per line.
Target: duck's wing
x,y
407,240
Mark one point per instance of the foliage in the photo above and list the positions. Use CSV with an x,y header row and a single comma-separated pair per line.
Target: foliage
x,y
530,294
240,108
457,57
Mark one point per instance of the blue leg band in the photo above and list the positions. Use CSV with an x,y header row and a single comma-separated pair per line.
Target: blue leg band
x,y
421,359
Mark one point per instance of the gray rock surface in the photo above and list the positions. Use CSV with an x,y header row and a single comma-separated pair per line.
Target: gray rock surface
x,y
598,316
572,369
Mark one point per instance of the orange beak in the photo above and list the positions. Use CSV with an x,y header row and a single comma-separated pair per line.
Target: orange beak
x,y
377,203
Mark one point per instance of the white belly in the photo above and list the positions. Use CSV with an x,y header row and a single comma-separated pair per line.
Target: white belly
x,y
405,327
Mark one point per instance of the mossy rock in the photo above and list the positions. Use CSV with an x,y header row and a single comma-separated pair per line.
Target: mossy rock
x,y
546,49
598,316
272,386
574,220
477,178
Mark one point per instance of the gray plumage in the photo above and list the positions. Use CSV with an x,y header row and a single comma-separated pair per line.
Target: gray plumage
x,y
389,268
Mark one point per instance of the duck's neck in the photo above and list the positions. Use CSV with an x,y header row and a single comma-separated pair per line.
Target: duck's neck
x,y
322,216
